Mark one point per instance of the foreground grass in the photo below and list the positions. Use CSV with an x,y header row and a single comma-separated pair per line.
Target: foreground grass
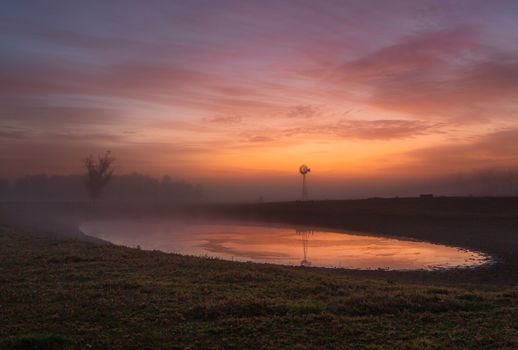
x,y
95,296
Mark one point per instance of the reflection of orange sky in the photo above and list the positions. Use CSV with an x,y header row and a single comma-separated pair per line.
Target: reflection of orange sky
x,y
281,245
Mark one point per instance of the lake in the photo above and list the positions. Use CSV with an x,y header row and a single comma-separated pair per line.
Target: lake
x,y
282,245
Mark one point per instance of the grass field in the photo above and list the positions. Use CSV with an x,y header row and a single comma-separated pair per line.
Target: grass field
x,y
61,293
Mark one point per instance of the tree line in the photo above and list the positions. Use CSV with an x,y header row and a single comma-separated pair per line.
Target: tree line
x,y
128,187
99,173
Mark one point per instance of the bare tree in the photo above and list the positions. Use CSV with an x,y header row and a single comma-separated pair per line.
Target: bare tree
x,y
98,174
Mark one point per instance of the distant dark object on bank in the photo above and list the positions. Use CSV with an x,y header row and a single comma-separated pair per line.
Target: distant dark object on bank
x,y
426,195
98,174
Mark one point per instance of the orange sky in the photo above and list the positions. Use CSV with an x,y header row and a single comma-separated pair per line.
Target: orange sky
x,y
240,90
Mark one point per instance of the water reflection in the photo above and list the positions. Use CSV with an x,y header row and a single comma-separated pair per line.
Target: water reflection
x,y
286,246
304,234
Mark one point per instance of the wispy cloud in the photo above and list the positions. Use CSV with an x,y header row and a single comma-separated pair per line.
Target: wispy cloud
x,y
383,129
198,85
496,149
302,111
231,119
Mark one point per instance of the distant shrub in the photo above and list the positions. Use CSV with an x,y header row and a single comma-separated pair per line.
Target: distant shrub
x,y
37,341
98,174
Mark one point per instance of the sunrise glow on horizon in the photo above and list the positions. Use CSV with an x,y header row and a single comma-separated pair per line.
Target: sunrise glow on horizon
x,y
231,91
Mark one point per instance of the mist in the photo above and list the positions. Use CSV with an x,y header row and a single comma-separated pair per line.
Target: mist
x,y
142,189
260,174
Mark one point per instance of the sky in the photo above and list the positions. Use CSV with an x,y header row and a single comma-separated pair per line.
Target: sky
x,y
243,92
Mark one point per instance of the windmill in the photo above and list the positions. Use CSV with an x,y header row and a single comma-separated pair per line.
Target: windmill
x,y
305,234
304,169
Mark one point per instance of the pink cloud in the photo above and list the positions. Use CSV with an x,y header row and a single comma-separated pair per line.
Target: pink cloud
x,y
489,85
413,54
226,120
496,149
383,129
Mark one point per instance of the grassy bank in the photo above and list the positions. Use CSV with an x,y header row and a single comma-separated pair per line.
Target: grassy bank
x,y
84,295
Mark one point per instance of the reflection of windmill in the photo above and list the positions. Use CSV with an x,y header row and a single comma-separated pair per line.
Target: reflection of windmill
x,y
304,234
304,169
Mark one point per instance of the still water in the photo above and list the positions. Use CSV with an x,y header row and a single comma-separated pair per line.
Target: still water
x,y
282,245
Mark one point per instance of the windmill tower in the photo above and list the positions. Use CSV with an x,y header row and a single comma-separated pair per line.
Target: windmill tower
x,y
304,170
305,234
